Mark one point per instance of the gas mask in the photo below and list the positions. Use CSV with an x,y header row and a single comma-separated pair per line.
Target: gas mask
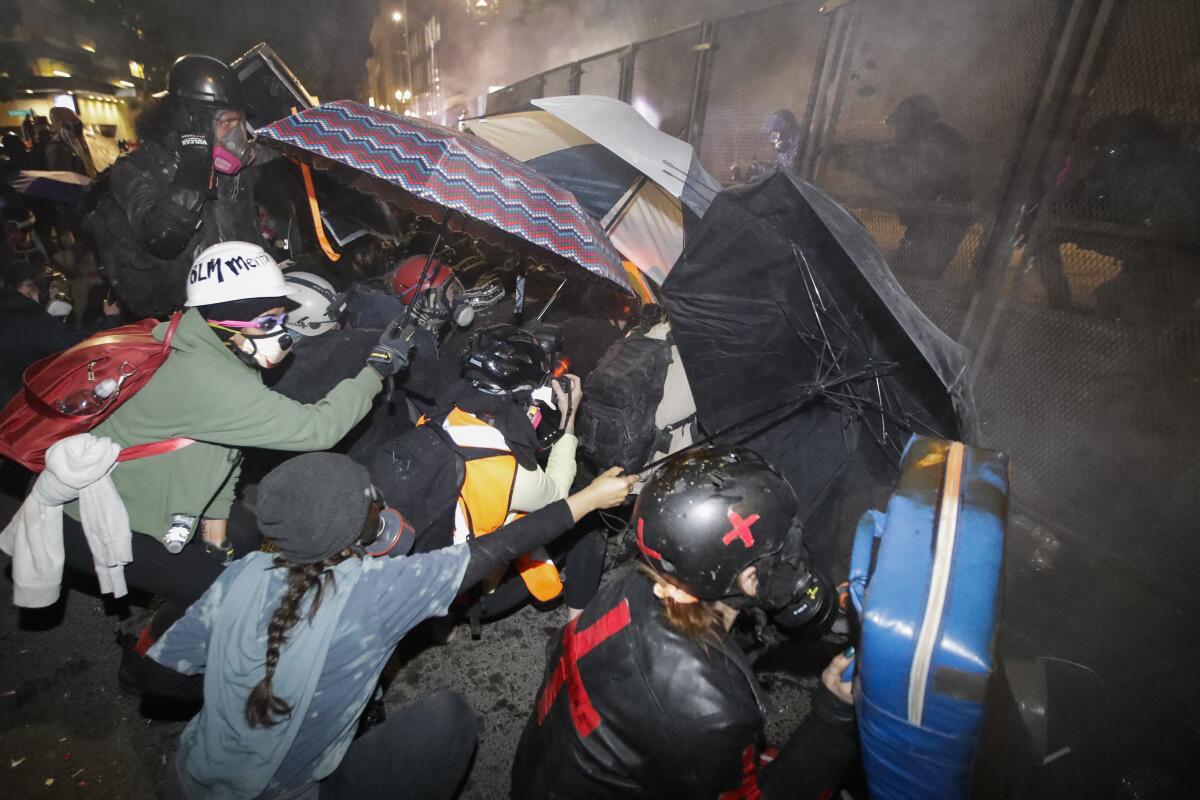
x,y
390,535
231,152
59,308
267,349
462,312
435,307
794,597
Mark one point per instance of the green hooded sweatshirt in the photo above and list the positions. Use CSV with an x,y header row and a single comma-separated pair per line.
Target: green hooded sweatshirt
x,y
204,392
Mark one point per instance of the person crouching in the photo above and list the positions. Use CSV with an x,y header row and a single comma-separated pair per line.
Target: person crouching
x,y
292,645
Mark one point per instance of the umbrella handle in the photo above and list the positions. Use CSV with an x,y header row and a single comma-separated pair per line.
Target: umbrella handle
x,y
425,269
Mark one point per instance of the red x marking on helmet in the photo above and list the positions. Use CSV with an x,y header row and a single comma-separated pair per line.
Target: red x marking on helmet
x,y
740,529
657,556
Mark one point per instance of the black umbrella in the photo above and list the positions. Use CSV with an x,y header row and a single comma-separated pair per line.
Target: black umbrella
x,y
799,342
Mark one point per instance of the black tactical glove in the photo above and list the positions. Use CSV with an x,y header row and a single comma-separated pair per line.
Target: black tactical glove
x,y
390,354
430,311
195,161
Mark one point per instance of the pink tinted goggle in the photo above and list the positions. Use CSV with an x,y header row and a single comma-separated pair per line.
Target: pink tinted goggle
x,y
267,322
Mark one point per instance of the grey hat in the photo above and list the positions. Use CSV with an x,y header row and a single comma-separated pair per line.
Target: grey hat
x,y
314,505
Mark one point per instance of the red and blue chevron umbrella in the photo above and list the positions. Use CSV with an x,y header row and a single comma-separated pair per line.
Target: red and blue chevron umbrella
x,y
453,170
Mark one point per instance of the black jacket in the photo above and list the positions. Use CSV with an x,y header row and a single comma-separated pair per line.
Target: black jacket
x,y
27,333
149,229
674,719
643,711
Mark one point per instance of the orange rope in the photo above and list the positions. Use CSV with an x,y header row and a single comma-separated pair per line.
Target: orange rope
x,y
311,191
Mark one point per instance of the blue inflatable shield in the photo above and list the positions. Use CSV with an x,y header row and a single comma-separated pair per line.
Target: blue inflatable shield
x,y
925,576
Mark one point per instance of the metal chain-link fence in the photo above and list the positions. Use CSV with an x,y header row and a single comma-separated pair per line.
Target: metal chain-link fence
x,y
1031,170
782,47
664,72
917,115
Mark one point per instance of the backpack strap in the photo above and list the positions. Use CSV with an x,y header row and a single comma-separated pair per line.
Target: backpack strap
x,y
166,342
154,448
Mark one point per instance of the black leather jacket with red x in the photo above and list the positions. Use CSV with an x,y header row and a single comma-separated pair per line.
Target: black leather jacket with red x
x,y
632,708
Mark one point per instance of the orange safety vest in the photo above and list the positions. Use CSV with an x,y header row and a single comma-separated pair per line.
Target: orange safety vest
x,y
485,496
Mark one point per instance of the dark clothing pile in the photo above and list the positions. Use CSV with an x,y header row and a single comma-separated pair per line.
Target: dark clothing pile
x,y
27,333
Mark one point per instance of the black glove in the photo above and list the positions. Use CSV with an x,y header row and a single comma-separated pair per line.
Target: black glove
x,y
195,161
430,311
390,354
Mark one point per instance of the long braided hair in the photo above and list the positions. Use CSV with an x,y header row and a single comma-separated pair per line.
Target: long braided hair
x,y
263,707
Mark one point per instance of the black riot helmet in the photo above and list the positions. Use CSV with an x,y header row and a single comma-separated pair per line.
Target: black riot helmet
x,y
706,516
206,81
503,359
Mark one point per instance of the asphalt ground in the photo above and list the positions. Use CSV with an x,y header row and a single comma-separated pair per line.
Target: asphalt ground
x,y
67,731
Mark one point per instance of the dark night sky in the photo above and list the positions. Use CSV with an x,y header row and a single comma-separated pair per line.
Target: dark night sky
x,y
326,42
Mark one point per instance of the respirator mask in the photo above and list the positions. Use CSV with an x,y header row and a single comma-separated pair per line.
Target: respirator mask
x,y
231,144
266,349
389,534
791,594
435,308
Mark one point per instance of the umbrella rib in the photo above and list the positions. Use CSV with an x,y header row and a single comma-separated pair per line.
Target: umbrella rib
x,y
805,272
695,186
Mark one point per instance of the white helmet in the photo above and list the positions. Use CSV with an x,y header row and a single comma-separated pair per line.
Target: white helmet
x,y
234,271
320,307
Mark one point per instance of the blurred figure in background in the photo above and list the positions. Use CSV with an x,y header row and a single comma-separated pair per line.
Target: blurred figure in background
x,y
27,331
924,172
783,132
67,150
1131,192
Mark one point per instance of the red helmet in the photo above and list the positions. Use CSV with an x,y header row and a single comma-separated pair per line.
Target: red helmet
x,y
408,272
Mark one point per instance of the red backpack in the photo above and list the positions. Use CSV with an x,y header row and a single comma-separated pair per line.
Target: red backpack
x,y
74,391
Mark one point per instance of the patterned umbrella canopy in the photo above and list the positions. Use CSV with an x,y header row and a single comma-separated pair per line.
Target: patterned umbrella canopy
x,y
441,167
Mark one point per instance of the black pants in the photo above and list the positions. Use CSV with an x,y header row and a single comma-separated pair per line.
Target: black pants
x,y
581,554
421,751
181,578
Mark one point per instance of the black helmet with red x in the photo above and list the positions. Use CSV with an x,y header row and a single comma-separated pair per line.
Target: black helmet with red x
x,y
706,516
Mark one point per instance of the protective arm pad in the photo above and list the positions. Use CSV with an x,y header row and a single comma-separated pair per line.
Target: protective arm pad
x,y
162,214
489,553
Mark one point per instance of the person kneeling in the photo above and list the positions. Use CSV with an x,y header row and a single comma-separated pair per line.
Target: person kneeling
x,y
647,694
293,644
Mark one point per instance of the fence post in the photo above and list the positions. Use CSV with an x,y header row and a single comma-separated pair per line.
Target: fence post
x,y
1079,31
625,84
809,123
843,26
576,79
699,105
